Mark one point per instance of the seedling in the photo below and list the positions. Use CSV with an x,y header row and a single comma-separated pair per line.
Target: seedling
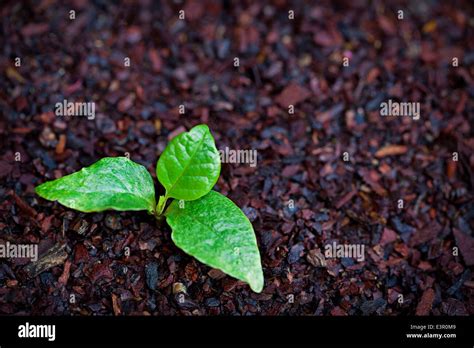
x,y
204,223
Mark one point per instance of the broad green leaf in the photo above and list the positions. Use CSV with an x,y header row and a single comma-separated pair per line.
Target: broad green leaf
x,y
190,165
111,183
216,232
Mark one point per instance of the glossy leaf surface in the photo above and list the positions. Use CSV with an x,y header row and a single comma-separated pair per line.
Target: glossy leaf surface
x,y
190,165
216,232
111,183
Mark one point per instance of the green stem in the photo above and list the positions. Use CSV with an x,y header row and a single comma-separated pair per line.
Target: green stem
x,y
161,205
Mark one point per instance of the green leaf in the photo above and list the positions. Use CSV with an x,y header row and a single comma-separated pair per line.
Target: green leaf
x,y
111,183
190,165
216,232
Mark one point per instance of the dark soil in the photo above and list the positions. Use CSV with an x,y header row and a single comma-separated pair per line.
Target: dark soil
x,y
408,251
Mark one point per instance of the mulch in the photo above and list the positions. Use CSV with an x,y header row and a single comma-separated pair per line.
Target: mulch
x,y
300,197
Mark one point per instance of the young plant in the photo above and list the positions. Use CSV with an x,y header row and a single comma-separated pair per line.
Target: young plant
x,y
204,223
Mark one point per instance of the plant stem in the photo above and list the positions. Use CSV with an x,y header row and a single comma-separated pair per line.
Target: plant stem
x,y
161,204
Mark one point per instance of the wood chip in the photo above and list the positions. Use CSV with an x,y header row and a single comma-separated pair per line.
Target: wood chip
x,y
61,145
65,276
391,150
116,304
54,257
316,258
292,95
426,302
